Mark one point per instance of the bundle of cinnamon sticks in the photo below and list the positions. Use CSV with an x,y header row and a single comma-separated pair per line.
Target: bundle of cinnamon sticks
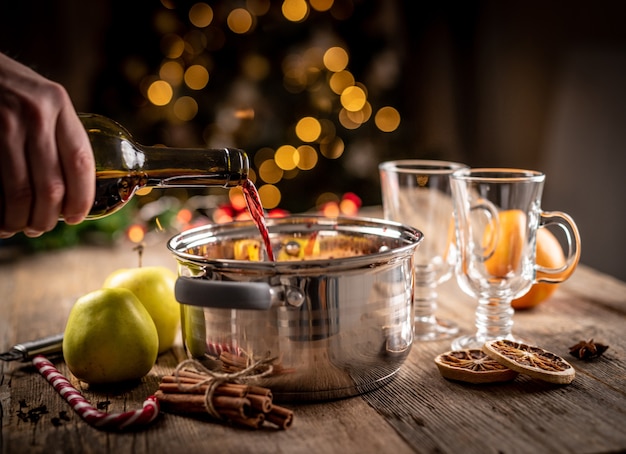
x,y
241,404
234,363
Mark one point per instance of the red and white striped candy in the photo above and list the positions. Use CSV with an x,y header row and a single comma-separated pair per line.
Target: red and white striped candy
x,y
93,416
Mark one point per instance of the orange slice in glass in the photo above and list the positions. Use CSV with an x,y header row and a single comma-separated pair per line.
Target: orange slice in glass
x,y
472,366
530,360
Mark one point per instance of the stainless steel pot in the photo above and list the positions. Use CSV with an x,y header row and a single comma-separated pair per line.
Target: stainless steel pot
x,y
337,325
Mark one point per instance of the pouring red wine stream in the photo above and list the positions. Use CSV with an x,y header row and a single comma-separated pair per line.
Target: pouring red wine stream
x,y
255,208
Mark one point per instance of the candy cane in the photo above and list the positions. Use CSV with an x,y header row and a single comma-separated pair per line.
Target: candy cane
x,y
93,416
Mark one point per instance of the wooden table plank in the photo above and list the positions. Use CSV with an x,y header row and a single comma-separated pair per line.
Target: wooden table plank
x,y
418,411
337,426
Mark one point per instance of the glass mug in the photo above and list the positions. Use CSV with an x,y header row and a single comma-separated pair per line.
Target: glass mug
x,y
497,214
417,193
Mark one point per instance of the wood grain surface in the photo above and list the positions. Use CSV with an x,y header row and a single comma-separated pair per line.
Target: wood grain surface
x,y
418,411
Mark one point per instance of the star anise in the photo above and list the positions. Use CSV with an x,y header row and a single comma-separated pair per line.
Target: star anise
x,y
587,349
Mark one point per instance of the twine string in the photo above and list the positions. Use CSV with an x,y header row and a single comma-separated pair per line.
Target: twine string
x,y
214,379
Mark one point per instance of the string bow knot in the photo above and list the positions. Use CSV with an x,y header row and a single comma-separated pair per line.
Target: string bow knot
x,y
255,370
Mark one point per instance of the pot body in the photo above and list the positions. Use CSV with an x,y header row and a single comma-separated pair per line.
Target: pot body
x,y
336,325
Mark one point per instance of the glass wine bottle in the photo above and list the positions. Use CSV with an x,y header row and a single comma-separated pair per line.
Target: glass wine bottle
x,y
123,165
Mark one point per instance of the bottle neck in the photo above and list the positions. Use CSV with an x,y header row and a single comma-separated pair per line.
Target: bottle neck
x,y
117,155
193,167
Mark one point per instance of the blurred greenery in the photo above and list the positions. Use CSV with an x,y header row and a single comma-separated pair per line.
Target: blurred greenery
x,y
100,231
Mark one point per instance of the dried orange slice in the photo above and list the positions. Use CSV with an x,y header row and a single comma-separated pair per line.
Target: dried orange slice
x,y
472,366
530,360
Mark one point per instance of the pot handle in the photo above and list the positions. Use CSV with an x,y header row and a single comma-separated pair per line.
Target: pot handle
x,y
223,294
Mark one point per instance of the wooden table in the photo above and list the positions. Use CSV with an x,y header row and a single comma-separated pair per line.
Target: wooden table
x,y
418,411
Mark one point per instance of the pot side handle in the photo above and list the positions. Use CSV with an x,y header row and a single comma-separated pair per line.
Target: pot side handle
x,y
223,294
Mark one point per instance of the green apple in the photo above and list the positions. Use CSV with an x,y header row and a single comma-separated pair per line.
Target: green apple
x,y
154,286
109,337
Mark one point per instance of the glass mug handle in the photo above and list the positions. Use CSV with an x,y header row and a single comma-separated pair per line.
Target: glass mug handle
x,y
486,245
567,224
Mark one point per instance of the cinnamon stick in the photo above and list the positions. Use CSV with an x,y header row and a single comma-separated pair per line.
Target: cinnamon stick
x,y
239,404
186,403
233,360
260,403
261,391
174,388
282,417
186,380
193,375
254,421
169,385
180,403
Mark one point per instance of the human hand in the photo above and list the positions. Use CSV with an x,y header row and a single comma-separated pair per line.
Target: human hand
x,y
47,168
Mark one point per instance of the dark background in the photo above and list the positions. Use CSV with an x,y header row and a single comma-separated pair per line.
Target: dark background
x,y
529,84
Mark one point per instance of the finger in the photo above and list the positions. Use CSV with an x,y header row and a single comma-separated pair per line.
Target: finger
x,y
46,176
16,188
78,166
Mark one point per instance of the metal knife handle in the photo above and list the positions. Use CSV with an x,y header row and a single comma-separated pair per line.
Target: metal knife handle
x,y
46,346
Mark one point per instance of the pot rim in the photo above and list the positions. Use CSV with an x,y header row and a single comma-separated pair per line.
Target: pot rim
x,y
201,235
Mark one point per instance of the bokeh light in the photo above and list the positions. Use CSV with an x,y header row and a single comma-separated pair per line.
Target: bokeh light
x,y
136,233
172,72
270,172
348,207
239,21
336,59
332,149
196,77
331,209
346,120
262,155
236,198
308,129
286,157
307,157
270,196
184,216
353,98
160,93
321,5
341,80
258,7
185,108
201,15
360,116
295,10
387,119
